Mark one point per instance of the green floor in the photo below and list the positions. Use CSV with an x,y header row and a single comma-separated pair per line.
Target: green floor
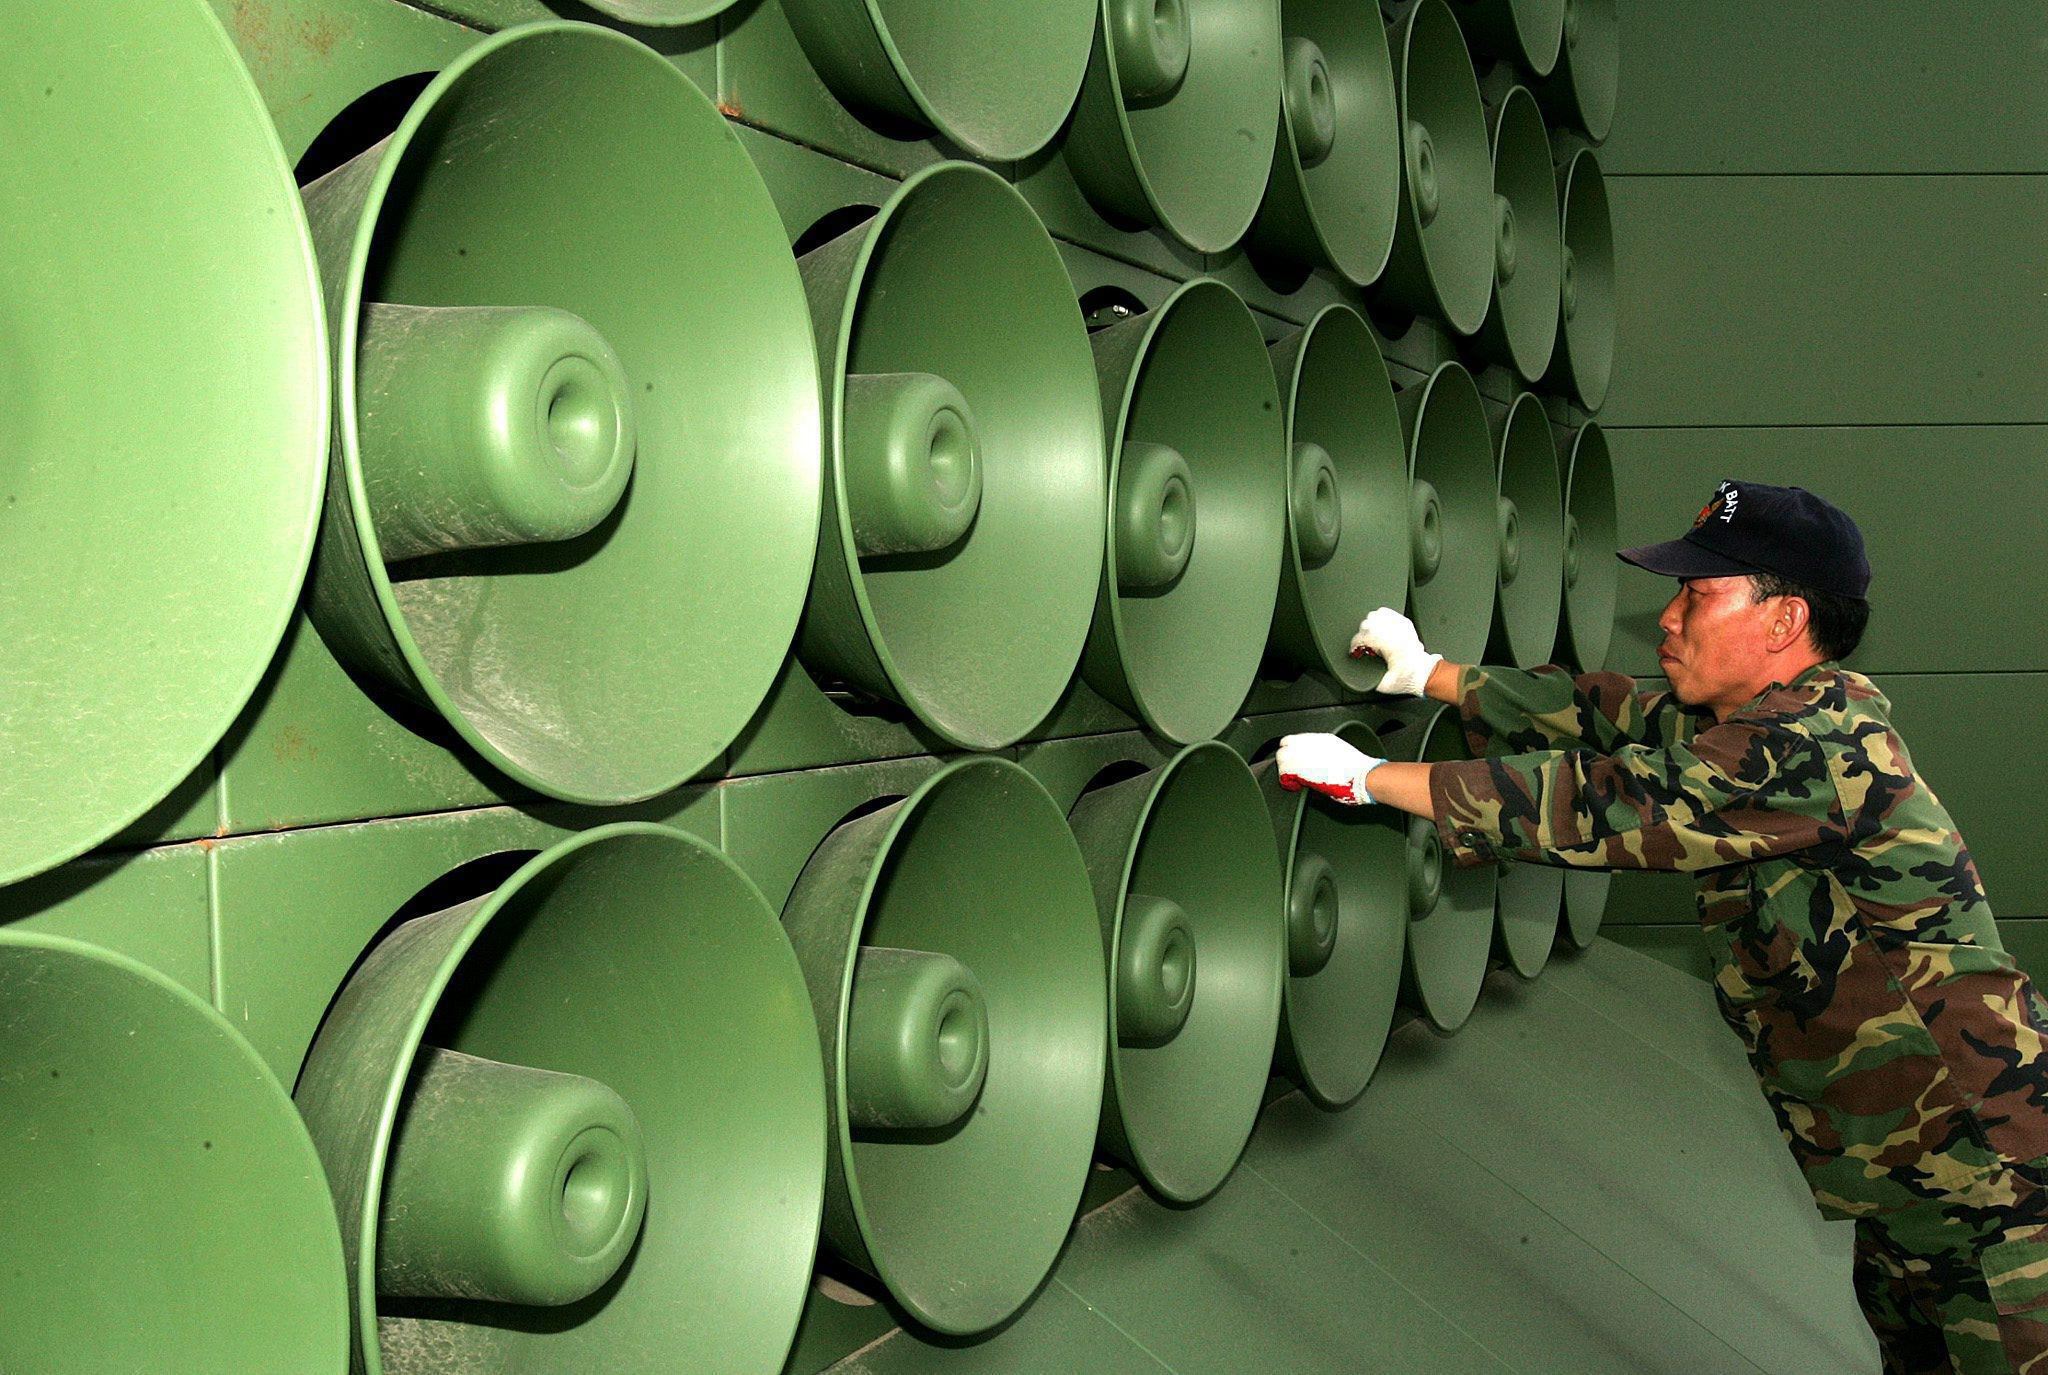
x,y
1582,1181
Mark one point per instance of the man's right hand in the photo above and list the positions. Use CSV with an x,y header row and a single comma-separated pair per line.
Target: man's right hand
x,y
1392,637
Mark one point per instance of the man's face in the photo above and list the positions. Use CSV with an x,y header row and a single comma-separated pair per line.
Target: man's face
x,y
1715,642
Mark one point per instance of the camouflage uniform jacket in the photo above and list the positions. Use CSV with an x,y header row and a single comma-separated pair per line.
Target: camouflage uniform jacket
x,y
1901,1050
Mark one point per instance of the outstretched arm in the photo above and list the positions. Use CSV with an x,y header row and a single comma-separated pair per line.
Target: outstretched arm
x,y
1509,711
1739,791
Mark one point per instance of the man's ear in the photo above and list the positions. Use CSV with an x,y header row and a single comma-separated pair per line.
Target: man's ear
x,y
1787,628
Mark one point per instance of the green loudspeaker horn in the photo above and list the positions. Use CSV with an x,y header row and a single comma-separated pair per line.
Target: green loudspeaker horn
x,y
1529,898
1190,895
548,1113
1442,264
1347,921
1197,518
961,544
1451,909
1531,529
1336,184
1585,904
165,1207
1528,33
1591,572
1528,262
950,946
1347,506
162,442
993,76
1454,513
1582,89
1584,361
577,409
1176,123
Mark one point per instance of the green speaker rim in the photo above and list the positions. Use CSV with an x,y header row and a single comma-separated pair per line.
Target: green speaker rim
x,y
1338,394
1584,360
1585,905
1528,33
1196,163
1442,262
981,643
1530,899
1450,448
1183,661
223,1190
650,697
1334,1023
121,683
1338,213
1584,87
1449,946
1524,320
1588,627
665,973
1528,607
995,78
964,1257
655,14
1180,1113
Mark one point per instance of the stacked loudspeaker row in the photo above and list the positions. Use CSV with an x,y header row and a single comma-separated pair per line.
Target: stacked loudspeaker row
x,y
526,399
599,1114
601,451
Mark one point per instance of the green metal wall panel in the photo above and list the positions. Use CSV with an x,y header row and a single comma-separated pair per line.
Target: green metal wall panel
x,y
191,812
1050,187
773,823
766,81
1066,767
2027,939
311,58
1830,86
1977,739
314,748
1951,515
151,905
1450,1229
1869,300
293,912
1639,899
1187,1284
806,184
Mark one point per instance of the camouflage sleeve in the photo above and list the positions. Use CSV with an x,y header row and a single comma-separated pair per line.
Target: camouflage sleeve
x,y
1740,791
1509,711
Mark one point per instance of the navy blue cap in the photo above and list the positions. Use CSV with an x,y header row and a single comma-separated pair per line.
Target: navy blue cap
x,y
1753,527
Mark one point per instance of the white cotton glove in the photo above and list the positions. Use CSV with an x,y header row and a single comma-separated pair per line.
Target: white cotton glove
x,y
1393,638
1330,765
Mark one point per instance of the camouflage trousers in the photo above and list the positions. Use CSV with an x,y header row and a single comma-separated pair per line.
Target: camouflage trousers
x,y
1950,1286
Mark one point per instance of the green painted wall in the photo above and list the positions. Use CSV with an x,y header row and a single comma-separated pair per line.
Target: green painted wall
x,y
1828,221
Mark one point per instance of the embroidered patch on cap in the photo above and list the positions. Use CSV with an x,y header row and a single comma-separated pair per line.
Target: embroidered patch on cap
x,y
1726,497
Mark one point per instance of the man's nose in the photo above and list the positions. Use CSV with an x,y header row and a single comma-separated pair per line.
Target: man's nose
x,y
1670,621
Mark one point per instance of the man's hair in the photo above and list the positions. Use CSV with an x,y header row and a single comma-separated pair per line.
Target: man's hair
x,y
1835,624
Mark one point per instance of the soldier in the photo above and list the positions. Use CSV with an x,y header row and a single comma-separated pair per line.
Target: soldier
x,y
1903,1053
